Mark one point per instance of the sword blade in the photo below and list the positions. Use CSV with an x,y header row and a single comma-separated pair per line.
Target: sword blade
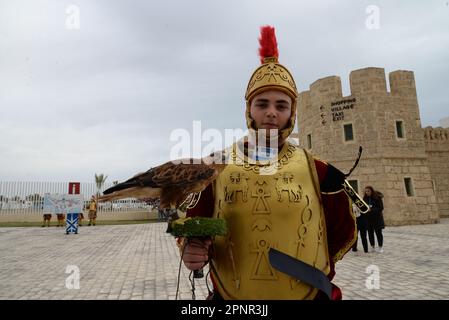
x,y
300,270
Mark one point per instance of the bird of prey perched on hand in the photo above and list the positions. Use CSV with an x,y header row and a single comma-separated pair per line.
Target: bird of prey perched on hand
x,y
171,182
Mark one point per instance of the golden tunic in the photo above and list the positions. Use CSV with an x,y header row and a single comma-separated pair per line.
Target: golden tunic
x,y
280,210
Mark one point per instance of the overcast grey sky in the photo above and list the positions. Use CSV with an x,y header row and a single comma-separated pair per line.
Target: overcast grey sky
x,y
104,98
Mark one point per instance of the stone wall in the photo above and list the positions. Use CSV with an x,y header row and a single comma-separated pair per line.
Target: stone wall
x,y
437,149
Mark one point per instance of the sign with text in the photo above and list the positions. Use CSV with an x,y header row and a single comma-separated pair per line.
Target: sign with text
x,y
338,108
63,203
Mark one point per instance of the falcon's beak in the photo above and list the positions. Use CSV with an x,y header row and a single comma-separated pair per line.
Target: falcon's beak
x,y
224,158
217,158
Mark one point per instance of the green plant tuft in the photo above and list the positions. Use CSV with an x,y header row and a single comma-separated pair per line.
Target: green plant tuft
x,y
197,227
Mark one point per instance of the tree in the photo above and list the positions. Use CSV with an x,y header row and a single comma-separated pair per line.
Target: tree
x,y
99,181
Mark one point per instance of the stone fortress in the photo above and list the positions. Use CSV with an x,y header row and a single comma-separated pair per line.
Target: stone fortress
x,y
407,163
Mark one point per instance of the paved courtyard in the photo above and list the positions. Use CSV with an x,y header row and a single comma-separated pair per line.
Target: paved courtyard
x,y
141,262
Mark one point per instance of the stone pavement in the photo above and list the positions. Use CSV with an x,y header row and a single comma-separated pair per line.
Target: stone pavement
x,y
141,262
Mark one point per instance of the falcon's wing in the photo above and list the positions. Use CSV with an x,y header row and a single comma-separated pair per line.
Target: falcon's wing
x,y
181,175
168,175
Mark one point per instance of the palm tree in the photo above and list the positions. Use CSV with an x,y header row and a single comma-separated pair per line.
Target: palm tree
x,y
99,181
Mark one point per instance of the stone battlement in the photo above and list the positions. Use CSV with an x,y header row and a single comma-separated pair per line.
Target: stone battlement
x,y
436,139
364,81
437,134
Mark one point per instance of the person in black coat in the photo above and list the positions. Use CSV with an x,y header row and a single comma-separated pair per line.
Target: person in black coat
x,y
362,227
374,217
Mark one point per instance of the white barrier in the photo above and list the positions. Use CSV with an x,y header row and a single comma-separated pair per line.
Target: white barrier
x,y
21,197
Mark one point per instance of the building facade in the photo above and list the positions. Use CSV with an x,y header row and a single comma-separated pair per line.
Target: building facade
x,y
407,163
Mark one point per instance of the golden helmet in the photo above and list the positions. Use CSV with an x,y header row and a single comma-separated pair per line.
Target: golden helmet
x,y
271,75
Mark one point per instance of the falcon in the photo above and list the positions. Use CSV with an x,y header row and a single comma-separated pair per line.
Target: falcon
x,y
171,182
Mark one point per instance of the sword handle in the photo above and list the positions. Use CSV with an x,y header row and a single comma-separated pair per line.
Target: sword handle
x,y
350,192
198,274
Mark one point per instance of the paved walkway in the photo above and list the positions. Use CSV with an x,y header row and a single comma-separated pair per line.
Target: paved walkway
x,y
141,262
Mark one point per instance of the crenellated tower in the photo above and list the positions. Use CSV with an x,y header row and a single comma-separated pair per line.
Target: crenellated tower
x,y
387,125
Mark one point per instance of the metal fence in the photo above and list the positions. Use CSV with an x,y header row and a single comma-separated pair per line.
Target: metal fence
x,y
27,197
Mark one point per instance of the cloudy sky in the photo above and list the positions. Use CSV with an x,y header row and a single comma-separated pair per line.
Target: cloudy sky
x,y
96,86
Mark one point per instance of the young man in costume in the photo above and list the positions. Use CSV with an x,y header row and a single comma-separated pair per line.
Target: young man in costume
x,y
300,210
92,211
47,218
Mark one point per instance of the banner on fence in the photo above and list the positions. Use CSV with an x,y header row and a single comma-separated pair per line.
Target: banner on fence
x,y
63,203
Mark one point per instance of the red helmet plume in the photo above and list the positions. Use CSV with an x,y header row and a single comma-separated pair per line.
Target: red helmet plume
x,y
268,44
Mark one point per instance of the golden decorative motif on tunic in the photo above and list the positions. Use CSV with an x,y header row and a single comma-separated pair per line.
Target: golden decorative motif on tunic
x,y
262,269
257,168
261,225
261,205
284,183
237,183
